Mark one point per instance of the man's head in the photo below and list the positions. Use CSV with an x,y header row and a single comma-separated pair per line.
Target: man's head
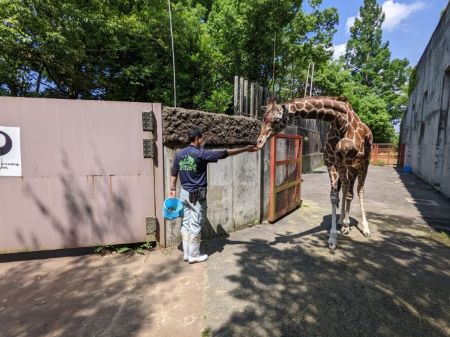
x,y
195,136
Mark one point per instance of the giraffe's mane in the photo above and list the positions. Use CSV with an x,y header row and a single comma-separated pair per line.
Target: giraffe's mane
x,y
333,98
329,98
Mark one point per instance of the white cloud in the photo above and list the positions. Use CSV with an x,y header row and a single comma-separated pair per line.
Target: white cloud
x,y
350,22
397,12
339,50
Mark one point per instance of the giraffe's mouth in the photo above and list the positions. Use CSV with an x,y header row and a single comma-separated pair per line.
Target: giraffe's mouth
x,y
264,136
261,142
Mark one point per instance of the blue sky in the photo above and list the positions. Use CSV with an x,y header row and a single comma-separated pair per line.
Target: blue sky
x,y
408,26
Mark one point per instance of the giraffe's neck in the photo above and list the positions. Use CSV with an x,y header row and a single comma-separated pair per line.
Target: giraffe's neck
x,y
327,109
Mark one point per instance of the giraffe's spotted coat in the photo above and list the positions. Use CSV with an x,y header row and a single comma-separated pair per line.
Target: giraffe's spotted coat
x,y
347,148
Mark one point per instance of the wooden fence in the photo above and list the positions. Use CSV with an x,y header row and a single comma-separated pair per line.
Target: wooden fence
x,y
249,97
249,100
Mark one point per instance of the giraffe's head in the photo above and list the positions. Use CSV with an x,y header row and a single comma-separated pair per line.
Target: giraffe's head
x,y
275,119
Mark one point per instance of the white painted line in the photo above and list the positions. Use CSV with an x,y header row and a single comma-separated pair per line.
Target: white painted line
x,y
426,202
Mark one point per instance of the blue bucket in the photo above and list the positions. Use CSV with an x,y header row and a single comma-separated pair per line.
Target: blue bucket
x,y
172,208
407,169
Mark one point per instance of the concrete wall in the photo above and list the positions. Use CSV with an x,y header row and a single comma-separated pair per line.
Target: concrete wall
x,y
426,126
84,179
234,197
235,194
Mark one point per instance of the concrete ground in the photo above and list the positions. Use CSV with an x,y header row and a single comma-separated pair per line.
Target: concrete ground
x,y
115,295
267,280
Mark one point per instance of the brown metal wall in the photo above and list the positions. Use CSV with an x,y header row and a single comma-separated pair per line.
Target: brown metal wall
x,y
84,178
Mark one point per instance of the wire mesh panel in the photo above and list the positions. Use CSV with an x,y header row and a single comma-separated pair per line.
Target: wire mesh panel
x,y
384,154
285,175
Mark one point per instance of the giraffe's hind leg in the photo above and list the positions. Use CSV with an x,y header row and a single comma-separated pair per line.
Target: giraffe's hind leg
x,y
361,179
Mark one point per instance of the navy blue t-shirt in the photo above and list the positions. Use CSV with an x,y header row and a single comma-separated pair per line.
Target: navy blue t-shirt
x,y
191,164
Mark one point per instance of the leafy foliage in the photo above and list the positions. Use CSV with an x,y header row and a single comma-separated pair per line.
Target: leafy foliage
x,y
368,60
120,50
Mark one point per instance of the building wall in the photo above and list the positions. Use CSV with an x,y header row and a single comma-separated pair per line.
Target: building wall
x,y
426,126
84,178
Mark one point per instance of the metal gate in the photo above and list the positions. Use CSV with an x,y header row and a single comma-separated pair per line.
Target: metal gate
x,y
384,154
285,175
86,173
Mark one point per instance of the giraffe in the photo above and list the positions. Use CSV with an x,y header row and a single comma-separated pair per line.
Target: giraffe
x,y
347,150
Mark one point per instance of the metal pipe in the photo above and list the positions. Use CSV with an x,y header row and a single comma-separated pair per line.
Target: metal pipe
x,y
306,82
173,58
312,80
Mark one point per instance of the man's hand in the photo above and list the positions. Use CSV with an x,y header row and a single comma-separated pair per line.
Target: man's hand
x,y
251,148
248,148
172,193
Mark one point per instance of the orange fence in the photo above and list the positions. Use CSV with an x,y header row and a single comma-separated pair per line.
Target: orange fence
x,y
384,154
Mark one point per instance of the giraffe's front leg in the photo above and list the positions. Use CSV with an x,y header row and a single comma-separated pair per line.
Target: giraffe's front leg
x,y
332,241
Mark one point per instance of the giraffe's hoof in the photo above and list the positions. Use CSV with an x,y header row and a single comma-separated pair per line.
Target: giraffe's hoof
x,y
332,245
366,233
345,230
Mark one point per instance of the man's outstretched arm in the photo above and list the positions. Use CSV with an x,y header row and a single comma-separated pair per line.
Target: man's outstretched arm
x,y
248,148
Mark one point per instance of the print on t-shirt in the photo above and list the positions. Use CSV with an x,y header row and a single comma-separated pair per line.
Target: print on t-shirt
x,y
188,164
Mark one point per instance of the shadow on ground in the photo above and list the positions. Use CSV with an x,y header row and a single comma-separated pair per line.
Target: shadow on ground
x,y
79,296
396,285
432,204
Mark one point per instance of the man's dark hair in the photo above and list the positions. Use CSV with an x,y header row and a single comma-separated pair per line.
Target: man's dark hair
x,y
194,133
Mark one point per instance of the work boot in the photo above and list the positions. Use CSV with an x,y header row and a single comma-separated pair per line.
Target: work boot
x,y
194,253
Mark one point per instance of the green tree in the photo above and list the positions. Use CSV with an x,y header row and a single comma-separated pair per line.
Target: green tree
x,y
310,38
368,60
120,50
99,49
366,55
334,80
265,40
372,110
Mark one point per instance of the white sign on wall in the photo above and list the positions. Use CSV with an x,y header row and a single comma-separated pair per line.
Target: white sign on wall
x,y
10,158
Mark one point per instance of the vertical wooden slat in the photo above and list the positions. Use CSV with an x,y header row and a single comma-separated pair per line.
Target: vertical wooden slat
x,y
260,98
245,111
236,94
257,104
266,95
252,99
241,95
249,97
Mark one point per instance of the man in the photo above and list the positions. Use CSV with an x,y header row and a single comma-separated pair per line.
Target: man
x,y
191,165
